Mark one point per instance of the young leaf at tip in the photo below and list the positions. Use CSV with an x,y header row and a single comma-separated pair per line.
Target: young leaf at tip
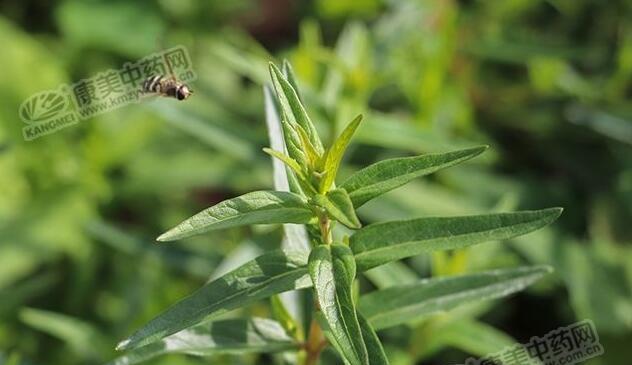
x,y
293,110
288,72
336,152
287,160
338,206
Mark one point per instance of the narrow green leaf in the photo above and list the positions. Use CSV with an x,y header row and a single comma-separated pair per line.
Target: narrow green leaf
x,y
288,72
401,304
275,134
469,335
287,160
332,269
391,274
293,143
380,243
258,207
372,343
233,336
269,274
293,110
335,153
80,336
384,176
281,314
310,151
339,207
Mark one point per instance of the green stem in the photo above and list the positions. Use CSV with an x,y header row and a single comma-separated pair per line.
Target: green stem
x,y
325,229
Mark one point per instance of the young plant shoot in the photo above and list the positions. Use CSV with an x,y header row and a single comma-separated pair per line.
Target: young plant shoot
x,y
317,200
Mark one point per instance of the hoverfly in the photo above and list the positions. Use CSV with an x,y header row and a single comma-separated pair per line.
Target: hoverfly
x,y
166,86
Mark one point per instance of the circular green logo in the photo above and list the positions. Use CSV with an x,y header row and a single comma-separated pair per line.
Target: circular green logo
x,y
43,106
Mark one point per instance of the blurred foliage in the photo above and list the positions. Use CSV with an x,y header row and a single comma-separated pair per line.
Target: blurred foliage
x,y
546,83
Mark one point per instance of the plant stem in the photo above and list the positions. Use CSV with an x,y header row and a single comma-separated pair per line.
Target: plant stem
x,y
325,229
315,344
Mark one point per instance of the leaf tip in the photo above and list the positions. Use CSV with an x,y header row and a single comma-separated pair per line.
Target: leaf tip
x,y
274,70
165,237
123,345
479,149
555,212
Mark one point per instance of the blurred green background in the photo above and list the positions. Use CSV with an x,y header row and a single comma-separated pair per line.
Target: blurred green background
x,y
547,84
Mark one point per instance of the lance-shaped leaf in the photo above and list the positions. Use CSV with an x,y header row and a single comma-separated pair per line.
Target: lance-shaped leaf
x,y
269,274
259,207
401,304
332,271
288,72
281,314
380,243
291,107
339,207
233,336
336,152
287,160
372,342
383,176
293,143
284,180
275,134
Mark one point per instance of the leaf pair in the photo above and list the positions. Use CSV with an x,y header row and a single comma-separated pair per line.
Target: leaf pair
x,y
372,246
271,207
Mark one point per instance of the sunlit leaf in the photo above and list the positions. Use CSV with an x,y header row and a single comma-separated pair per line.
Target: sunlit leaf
x,y
293,111
383,176
287,160
288,72
336,152
332,271
380,243
339,207
259,207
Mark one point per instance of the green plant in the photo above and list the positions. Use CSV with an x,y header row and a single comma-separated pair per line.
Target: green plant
x,y
325,259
